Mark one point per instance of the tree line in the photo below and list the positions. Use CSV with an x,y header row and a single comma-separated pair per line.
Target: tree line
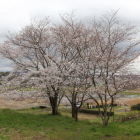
x,y
4,74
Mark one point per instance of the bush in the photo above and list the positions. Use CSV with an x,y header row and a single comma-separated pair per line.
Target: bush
x,y
135,107
96,112
34,108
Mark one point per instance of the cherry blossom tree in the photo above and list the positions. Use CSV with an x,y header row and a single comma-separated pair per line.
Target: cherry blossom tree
x,y
47,56
109,57
33,50
74,59
72,38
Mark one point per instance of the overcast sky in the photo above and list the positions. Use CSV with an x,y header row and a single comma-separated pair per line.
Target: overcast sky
x,y
15,14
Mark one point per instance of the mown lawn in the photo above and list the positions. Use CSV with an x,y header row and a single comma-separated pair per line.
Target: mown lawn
x,y
40,125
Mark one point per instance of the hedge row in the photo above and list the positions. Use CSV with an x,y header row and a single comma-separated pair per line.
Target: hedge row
x,y
96,112
101,106
95,106
135,107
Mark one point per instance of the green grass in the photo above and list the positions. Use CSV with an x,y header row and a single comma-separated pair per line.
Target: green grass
x,y
21,88
37,124
129,93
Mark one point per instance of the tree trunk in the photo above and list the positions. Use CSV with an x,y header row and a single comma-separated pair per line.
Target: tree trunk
x,y
105,118
105,122
53,102
75,112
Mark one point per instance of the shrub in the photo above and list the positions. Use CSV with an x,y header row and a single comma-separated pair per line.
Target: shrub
x,y
34,108
96,112
135,107
101,106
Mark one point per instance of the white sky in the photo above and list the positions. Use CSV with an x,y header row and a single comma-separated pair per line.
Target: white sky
x,y
15,14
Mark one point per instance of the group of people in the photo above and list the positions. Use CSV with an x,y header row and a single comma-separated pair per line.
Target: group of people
x,y
90,106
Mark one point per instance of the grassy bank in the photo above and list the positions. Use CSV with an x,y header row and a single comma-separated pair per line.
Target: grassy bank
x,y
129,93
40,125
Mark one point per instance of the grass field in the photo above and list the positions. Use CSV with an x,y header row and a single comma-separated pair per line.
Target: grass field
x,y
36,124
129,93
